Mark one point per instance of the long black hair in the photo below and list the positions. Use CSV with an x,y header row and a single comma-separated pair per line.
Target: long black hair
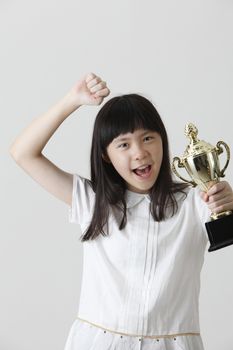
x,y
120,115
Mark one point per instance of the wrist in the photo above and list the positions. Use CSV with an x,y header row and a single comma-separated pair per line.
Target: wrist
x,y
70,103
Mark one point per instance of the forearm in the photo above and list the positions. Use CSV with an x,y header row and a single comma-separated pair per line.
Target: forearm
x,y
33,139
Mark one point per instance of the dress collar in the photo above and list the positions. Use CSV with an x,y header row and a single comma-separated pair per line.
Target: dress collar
x,y
133,198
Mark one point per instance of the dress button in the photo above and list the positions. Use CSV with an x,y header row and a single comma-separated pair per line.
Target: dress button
x,y
121,336
174,338
157,339
104,331
140,339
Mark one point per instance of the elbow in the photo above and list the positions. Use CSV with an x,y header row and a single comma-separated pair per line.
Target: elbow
x,y
13,154
11,151
21,158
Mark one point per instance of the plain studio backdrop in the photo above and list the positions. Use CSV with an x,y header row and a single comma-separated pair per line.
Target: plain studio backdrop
x,y
177,53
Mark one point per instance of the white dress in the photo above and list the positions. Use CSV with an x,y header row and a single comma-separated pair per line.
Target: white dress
x,y
140,286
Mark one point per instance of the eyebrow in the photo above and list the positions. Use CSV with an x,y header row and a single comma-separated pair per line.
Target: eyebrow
x,y
127,138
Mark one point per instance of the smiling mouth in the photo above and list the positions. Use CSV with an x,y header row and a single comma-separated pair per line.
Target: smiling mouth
x,y
143,172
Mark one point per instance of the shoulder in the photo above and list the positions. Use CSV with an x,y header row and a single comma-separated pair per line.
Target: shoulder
x,y
83,199
188,194
82,185
192,199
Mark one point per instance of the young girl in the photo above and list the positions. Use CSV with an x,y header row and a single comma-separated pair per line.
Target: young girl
x,y
143,234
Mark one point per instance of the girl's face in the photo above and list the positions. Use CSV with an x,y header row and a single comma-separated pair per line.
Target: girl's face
x,y
130,151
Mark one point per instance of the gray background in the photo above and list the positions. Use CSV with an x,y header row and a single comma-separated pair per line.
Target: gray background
x,y
179,54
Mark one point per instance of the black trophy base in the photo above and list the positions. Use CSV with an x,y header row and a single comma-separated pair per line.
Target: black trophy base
x,y
220,232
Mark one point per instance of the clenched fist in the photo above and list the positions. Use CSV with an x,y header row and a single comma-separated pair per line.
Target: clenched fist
x,y
219,197
90,90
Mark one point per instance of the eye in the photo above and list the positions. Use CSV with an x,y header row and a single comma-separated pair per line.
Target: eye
x,y
120,146
148,137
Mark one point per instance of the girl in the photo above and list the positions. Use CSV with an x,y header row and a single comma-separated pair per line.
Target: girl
x,y
143,234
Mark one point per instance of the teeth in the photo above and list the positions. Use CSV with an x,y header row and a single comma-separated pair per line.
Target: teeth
x,y
143,167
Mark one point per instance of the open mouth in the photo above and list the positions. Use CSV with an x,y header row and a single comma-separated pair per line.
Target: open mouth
x,y
144,173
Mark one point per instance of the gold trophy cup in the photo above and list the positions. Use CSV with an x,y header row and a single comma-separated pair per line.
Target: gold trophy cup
x,y
201,162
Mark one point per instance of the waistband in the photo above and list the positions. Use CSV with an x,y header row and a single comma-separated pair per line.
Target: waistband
x,y
139,335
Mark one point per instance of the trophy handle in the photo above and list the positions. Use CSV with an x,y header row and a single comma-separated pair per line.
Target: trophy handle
x,y
180,165
220,150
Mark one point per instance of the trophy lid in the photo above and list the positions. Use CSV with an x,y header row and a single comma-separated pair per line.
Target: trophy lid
x,y
196,146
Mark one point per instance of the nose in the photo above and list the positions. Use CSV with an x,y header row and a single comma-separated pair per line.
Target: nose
x,y
139,152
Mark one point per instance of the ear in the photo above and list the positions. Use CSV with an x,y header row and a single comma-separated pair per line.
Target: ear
x,y
106,158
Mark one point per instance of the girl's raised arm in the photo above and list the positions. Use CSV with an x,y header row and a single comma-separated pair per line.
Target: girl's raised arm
x,y
27,147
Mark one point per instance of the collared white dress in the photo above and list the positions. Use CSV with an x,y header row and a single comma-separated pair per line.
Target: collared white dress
x,y
140,286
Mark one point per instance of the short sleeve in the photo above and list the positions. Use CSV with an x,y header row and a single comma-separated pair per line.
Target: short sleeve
x,y
83,198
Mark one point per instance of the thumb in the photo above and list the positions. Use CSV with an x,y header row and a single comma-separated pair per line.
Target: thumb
x,y
204,196
96,100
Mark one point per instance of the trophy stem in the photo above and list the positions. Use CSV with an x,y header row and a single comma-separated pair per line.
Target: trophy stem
x,y
215,216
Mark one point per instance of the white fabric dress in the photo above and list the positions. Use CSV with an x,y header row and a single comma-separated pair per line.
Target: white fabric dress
x,y
140,286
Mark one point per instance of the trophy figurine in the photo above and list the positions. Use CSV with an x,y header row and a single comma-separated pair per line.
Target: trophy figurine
x,y
201,162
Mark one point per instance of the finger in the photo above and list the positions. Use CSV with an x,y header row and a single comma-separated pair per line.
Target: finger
x,y
204,196
93,82
98,87
222,205
222,208
220,201
218,196
225,192
103,92
89,77
97,100
217,188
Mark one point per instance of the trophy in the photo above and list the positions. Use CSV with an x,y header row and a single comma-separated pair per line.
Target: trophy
x,y
201,162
